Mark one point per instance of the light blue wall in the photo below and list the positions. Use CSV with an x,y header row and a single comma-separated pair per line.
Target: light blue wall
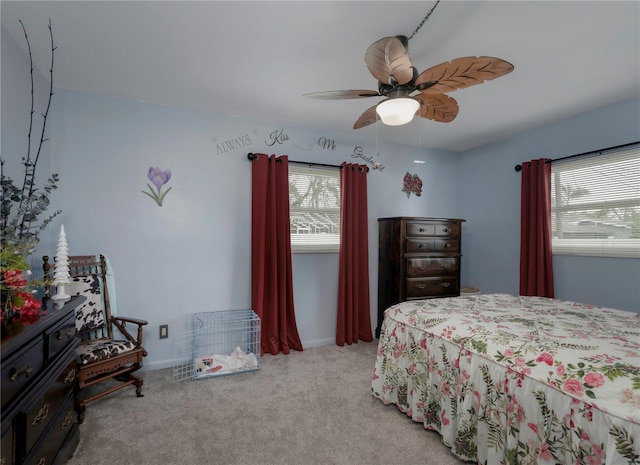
x,y
490,202
193,254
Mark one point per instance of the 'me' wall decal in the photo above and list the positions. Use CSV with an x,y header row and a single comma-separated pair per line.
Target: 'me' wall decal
x,y
327,144
159,178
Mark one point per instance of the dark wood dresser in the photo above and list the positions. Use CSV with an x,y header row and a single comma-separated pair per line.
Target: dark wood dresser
x,y
39,425
418,258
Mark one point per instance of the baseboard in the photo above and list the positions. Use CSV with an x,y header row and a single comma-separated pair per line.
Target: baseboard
x,y
318,343
162,364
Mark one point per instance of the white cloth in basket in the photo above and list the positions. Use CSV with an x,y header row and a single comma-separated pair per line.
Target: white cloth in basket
x,y
218,364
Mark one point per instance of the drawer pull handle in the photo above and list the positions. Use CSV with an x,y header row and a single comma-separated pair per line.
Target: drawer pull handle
x,y
446,245
445,230
421,267
68,419
446,266
42,415
420,229
446,284
68,334
27,371
420,246
421,286
71,376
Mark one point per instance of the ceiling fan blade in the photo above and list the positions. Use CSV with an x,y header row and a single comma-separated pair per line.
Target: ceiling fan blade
x,y
389,62
437,107
342,94
368,117
461,73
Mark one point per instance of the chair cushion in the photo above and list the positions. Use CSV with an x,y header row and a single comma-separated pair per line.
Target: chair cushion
x,y
102,350
90,314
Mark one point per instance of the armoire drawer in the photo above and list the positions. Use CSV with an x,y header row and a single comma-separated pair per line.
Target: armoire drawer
x,y
21,369
61,336
432,245
46,449
423,267
40,411
6,447
417,288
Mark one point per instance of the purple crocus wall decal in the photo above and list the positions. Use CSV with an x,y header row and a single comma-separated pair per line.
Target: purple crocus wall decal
x,y
159,178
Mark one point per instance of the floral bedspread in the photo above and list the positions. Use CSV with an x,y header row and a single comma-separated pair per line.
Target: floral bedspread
x,y
516,380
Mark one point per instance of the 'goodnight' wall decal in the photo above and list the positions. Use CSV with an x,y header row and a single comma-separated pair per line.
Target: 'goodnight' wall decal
x,y
358,152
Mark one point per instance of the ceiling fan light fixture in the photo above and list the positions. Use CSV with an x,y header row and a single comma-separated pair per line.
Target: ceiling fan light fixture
x,y
397,111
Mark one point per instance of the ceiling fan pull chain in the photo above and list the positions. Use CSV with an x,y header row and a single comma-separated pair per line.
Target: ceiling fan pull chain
x,y
424,20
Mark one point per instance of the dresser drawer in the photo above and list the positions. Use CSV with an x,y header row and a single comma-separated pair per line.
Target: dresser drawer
x,y
432,229
417,288
6,447
420,229
415,245
424,267
61,336
39,412
47,447
19,371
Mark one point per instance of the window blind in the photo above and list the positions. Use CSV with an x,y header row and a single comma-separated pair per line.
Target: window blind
x,y
314,203
596,205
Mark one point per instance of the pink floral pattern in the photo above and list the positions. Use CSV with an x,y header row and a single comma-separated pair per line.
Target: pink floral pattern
x,y
512,379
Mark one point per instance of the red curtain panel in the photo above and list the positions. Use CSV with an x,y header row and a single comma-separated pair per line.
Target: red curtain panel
x,y
354,312
271,274
536,259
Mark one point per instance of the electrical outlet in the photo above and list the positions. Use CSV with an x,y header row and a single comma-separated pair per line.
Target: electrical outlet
x,y
164,331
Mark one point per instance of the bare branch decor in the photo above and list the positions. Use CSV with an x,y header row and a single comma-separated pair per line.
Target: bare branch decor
x,y
20,230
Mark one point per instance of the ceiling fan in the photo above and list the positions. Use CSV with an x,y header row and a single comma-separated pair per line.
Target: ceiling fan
x,y
408,91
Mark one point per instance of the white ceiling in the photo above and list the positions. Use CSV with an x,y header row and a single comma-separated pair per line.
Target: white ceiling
x,y
256,59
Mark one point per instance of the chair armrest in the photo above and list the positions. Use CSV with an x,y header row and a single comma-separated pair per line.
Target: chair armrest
x,y
131,320
120,322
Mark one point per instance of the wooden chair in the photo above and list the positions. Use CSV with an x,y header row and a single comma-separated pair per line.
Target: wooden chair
x,y
101,357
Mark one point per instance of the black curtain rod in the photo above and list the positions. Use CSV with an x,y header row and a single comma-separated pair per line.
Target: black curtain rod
x,y
519,167
252,156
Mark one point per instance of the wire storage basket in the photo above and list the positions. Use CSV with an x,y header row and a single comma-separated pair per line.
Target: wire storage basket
x,y
219,343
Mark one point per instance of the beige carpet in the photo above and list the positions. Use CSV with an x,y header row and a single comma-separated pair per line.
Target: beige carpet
x,y
310,407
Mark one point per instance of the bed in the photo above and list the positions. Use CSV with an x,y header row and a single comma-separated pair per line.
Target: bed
x,y
512,379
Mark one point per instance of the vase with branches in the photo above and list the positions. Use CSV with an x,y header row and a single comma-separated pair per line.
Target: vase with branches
x,y
22,207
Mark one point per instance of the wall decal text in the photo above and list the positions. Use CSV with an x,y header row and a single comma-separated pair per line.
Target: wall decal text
x,y
327,144
277,136
358,152
232,144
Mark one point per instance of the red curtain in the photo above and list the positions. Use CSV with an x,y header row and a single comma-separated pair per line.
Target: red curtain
x,y
354,313
536,259
271,276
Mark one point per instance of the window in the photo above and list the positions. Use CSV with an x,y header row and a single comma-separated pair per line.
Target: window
x,y
595,205
314,202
